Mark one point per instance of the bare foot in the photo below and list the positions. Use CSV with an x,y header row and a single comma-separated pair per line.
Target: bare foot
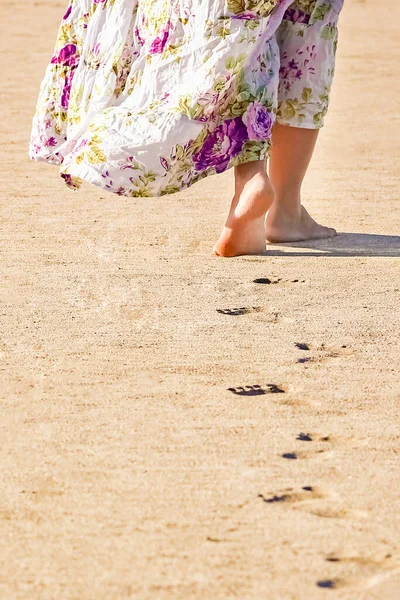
x,y
244,231
281,226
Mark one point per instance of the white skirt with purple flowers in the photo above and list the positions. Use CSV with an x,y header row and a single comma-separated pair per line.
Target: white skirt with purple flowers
x,y
146,97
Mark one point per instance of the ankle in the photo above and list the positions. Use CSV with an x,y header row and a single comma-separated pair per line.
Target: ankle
x,y
288,202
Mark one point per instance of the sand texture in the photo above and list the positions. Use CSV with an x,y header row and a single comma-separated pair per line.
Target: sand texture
x,y
135,462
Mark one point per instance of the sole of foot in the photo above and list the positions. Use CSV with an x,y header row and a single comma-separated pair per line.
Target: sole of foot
x,y
281,228
244,230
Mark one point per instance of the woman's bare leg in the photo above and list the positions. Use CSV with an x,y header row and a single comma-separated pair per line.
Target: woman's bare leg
x,y
288,220
244,230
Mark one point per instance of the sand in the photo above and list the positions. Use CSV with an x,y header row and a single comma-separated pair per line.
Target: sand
x,y
129,468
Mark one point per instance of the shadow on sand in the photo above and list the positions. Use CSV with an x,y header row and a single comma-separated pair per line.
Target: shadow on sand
x,y
344,244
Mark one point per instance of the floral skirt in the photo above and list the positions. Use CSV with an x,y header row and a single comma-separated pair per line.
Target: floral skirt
x,y
146,97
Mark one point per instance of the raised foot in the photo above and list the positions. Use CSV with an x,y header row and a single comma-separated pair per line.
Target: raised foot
x,y
282,227
244,230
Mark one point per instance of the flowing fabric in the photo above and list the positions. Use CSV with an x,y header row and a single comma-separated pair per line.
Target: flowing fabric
x,y
146,97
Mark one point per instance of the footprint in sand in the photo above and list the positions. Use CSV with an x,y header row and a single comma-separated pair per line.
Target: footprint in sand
x,y
364,572
238,311
309,453
267,281
302,346
325,446
321,352
327,583
304,437
305,454
332,440
313,500
305,359
306,494
290,455
332,512
256,390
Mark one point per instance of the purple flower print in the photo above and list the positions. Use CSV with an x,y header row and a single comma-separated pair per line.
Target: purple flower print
x,y
221,145
245,16
81,145
68,180
291,70
164,163
139,38
159,43
296,16
67,90
258,122
67,13
96,50
51,141
67,56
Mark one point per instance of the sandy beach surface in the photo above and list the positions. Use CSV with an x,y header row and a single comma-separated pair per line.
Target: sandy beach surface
x,y
135,462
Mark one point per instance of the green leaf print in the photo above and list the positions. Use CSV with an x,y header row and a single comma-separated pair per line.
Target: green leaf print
x,y
329,32
307,94
179,151
234,64
170,189
251,24
318,119
96,156
287,110
251,151
245,95
223,32
236,6
262,8
321,11
198,142
305,5
291,109
324,98
143,192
